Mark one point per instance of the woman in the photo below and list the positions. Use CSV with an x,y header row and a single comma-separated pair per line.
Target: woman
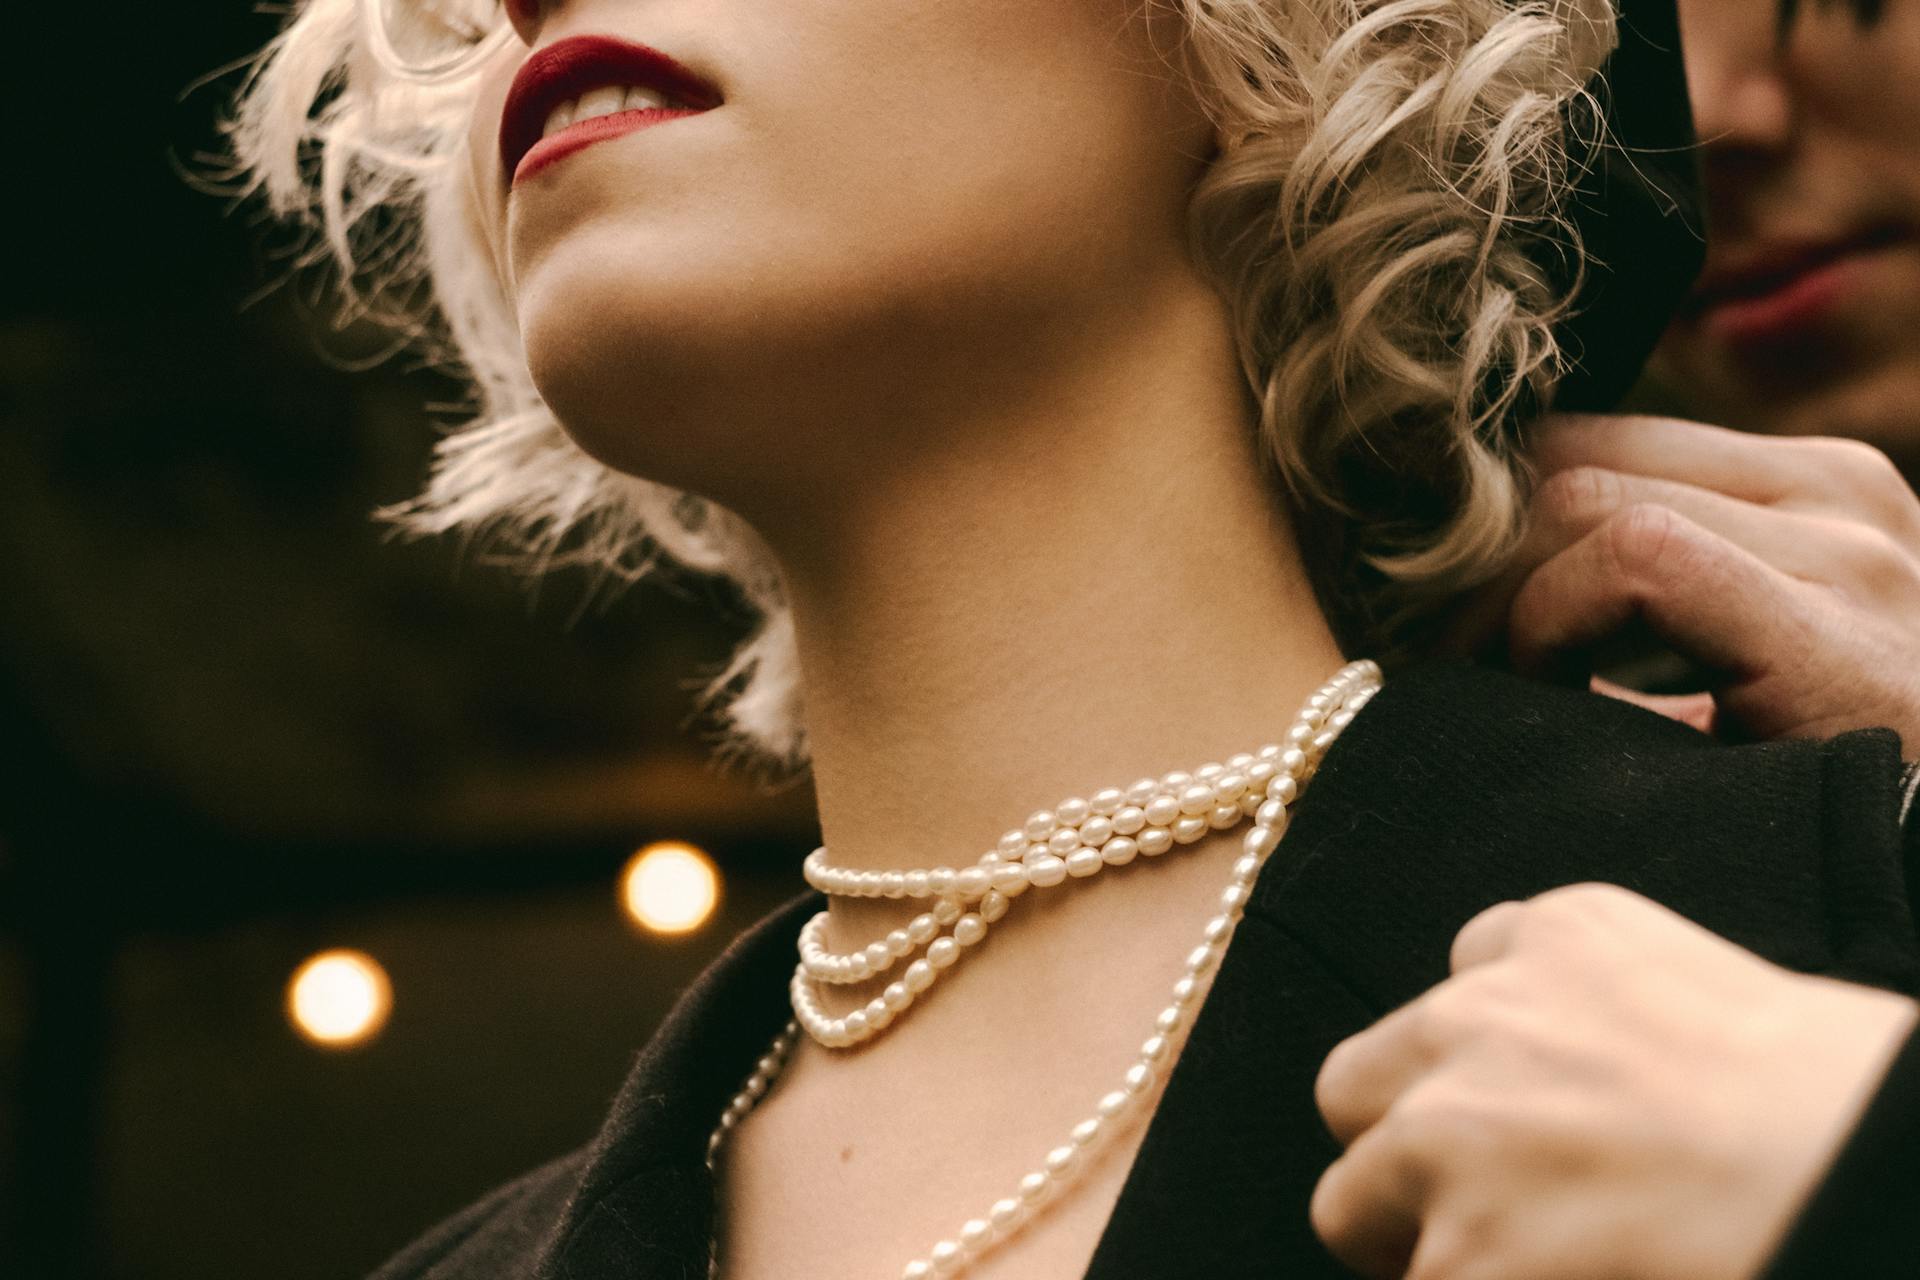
x,y
1060,379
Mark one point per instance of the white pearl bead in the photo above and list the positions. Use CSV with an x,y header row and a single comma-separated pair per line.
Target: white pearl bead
x,y
1187,830
1064,842
898,943
922,927
940,881
1096,831
1285,790
1036,1186
1143,790
1270,814
917,884
1323,740
1208,772
974,1233
1084,863
1114,1103
878,956
1175,781
1119,851
1006,1214
968,929
855,1023
946,911
1224,816
918,977
1292,760
1217,929
1086,1133
1129,820
994,905
1270,752
1249,803
1240,762
1246,868
1072,812
918,1269
1012,843
1107,801
943,952
1230,787
1201,959
1035,852
1010,879
1169,1020
1184,991
879,1017
1233,898
1040,824
972,882
893,885
897,996
1260,776
1047,872
1062,1158
1300,734
1196,799
1162,810
946,1258
1155,841
1138,1080
1260,842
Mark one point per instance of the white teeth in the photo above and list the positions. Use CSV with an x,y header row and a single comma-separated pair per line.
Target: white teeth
x,y
600,102
603,102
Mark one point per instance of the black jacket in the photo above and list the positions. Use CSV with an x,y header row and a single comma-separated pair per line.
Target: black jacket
x,y
1455,789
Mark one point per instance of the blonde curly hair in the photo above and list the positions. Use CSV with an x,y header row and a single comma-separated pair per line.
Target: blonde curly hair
x,y
1383,220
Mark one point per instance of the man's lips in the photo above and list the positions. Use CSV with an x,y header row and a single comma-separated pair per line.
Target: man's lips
x,y
567,69
1777,292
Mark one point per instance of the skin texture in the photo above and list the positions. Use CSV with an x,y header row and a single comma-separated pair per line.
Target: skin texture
x,y
1582,1063
1813,139
1605,1090
1787,570
916,302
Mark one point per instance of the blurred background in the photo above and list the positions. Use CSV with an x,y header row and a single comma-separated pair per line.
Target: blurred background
x,y
245,729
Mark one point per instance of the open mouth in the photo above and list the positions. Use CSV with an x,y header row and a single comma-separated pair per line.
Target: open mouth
x,y
587,89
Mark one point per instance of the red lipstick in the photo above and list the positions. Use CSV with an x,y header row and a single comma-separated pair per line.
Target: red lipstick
x,y
1780,292
565,70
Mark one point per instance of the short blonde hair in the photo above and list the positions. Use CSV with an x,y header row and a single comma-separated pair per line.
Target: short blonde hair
x,y
1390,173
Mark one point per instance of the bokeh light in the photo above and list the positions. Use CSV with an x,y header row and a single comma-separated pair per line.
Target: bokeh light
x,y
339,999
670,888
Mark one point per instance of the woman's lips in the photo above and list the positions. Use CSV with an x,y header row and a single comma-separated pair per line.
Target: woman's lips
x,y
584,134
568,69
1779,297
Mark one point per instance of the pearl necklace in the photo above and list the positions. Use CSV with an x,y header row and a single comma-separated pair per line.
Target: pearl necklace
x,y
1074,840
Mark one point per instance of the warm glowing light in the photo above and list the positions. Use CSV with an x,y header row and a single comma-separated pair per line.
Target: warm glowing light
x,y
670,888
339,999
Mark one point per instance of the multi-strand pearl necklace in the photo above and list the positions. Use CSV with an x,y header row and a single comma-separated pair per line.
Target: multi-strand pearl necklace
x,y
1074,840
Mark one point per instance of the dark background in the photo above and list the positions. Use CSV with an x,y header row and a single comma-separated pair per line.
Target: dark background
x,y
243,723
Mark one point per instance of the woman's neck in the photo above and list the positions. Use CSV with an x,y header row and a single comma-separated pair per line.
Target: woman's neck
x,y
1053,593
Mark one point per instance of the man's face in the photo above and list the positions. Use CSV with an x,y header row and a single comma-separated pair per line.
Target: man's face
x,y
1807,319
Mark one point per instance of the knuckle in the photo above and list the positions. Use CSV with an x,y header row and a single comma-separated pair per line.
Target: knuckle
x,y
1879,563
1433,1122
1334,1211
1646,543
1579,496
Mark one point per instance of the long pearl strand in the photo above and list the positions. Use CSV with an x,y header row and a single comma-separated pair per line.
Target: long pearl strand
x,y
1074,840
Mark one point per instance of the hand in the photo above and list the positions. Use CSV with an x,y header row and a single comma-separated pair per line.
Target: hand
x,y
1789,568
1602,1090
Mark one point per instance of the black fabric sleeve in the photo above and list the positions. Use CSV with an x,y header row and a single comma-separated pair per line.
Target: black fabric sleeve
x,y
1864,1219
